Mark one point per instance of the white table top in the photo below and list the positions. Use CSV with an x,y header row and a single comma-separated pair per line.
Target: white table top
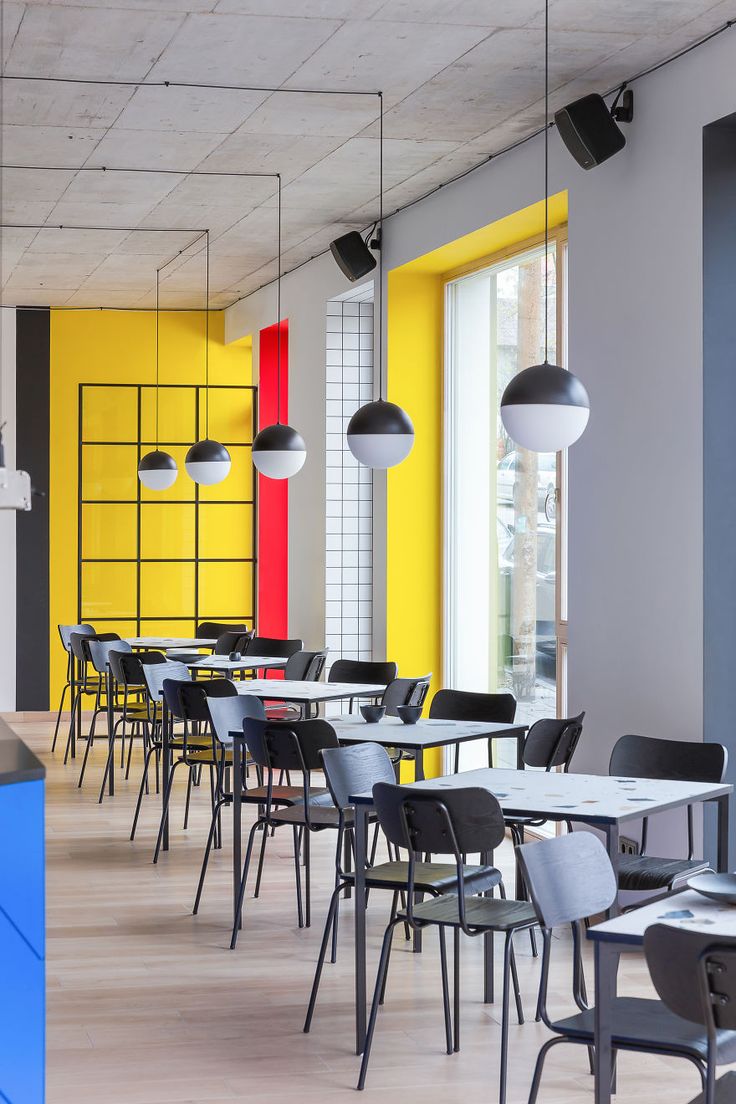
x,y
591,798
311,692
687,909
163,643
246,663
392,732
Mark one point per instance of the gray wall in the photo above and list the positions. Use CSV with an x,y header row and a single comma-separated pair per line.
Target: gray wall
x,y
7,517
635,338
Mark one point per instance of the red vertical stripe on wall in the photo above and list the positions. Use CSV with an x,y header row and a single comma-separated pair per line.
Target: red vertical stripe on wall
x,y
273,494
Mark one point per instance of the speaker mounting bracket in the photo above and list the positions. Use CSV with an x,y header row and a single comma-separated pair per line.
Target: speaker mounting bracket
x,y
623,113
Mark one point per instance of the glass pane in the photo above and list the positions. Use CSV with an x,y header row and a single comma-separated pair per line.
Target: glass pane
x,y
109,413
110,471
501,570
225,591
109,531
225,531
176,410
167,532
167,589
231,414
108,590
167,628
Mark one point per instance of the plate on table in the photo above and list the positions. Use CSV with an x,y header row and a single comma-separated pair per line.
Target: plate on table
x,y
718,887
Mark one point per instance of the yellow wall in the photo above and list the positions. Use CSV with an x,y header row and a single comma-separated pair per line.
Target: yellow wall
x,y
101,347
415,345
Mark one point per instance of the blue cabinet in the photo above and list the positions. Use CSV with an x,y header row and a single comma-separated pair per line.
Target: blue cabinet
x,y
22,942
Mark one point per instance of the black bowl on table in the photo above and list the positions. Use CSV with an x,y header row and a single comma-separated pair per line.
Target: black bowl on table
x,y
409,714
372,714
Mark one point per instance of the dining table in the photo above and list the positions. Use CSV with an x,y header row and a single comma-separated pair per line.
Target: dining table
x,y
625,933
600,801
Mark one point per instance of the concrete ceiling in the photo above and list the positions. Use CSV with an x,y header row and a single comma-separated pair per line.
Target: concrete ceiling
x,y
461,79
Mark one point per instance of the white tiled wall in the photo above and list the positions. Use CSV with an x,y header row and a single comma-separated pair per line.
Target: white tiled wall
x,y
349,535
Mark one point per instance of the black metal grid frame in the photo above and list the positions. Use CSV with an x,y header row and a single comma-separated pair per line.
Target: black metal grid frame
x,y
139,503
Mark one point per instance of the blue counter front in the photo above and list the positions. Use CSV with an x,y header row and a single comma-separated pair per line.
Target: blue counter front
x,y
22,923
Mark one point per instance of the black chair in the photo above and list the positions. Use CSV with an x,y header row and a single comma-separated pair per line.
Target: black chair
x,y
98,654
550,744
155,669
65,632
87,683
456,822
300,667
357,769
273,647
646,757
570,878
465,705
213,630
371,672
187,701
228,638
127,672
295,746
702,990
405,691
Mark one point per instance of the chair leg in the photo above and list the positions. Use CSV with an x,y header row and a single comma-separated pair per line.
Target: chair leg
x,y
190,779
456,988
330,924
508,950
143,786
307,878
135,731
205,860
243,883
515,979
58,716
298,875
380,985
74,716
261,857
445,990
168,787
90,741
539,1066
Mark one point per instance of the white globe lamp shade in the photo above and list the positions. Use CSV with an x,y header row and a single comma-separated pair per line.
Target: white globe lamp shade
x,y
380,434
279,452
208,462
545,408
157,470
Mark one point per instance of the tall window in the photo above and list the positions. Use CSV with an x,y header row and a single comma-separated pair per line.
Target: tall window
x,y
503,517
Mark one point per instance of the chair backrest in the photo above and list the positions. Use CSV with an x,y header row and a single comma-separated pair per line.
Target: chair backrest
x,y
234,640
79,643
702,987
405,691
213,630
156,674
439,821
376,672
227,714
686,760
355,769
289,745
569,877
305,666
99,651
273,646
188,700
551,742
465,705
65,632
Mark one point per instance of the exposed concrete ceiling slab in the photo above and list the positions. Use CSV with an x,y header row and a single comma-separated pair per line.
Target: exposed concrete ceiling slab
x,y
461,79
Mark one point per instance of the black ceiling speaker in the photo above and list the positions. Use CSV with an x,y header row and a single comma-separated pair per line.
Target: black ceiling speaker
x,y
353,255
588,128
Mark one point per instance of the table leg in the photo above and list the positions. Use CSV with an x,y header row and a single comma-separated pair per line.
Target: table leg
x,y
520,752
723,805
614,850
606,962
361,853
72,719
418,777
486,859
165,769
237,810
110,731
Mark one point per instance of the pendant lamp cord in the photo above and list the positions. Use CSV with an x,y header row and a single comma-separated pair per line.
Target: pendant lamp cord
x,y
207,333
380,245
278,310
158,274
546,178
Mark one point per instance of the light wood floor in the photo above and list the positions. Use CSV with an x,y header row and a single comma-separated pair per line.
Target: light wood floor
x,y
146,1005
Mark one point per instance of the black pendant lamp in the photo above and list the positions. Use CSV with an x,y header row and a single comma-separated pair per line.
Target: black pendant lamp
x,y
278,450
545,408
207,462
380,434
157,470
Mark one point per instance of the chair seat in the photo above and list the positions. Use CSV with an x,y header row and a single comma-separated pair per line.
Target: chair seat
x,y
642,872
491,913
725,1090
280,795
428,877
320,816
638,1022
